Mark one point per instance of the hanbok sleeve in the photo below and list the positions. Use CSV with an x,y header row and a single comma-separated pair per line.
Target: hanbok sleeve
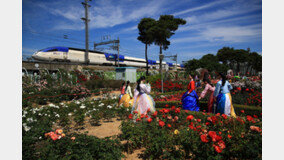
x,y
146,88
203,93
217,89
191,86
230,86
129,91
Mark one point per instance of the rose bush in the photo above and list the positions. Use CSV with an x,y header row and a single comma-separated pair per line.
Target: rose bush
x,y
194,135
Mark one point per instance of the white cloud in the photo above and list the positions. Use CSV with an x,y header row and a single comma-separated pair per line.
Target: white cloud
x,y
102,14
209,5
231,34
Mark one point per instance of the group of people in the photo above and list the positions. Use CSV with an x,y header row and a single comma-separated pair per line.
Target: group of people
x,y
141,102
220,100
219,95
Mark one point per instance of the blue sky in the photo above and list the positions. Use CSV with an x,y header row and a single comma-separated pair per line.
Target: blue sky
x,y
211,25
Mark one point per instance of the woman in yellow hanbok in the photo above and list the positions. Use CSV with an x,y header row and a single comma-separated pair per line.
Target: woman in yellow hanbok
x,y
127,99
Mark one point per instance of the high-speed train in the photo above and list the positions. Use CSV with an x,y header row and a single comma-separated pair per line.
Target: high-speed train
x,y
68,54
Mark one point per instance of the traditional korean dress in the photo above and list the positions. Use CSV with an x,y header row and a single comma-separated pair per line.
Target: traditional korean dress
x,y
122,92
209,88
142,100
224,99
190,101
126,98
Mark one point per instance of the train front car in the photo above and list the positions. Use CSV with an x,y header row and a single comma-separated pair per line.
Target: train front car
x,y
52,54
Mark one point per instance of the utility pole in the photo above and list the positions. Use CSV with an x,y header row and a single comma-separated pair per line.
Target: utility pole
x,y
118,52
86,20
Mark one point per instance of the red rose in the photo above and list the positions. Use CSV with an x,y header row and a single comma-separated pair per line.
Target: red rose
x,y
138,119
217,149
167,105
249,118
161,123
176,118
229,136
135,112
207,123
238,88
255,116
242,111
190,117
169,125
130,116
149,120
222,144
204,138
213,135
198,120
224,116
247,89
155,113
142,116
173,107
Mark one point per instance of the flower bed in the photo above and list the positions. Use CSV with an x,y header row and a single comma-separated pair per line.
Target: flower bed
x,y
250,110
194,135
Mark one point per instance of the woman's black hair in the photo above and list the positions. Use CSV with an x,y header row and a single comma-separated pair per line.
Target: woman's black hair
x,y
127,83
224,78
208,81
139,81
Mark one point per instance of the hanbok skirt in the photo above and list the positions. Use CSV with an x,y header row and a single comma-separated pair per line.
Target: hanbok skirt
x,y
210,103
144,102
190,101
125,100
225,105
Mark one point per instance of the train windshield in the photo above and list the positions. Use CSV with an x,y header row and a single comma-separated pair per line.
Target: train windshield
x,y
52,49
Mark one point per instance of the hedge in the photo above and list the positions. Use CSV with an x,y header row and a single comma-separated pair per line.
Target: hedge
x,y
249,110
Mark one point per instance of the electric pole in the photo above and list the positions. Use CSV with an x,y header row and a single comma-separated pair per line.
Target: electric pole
x,y
86,20
118,52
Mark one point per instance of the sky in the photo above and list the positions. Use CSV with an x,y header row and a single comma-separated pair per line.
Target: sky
x,y
211,25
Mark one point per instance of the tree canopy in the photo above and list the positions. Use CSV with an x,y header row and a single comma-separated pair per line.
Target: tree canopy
x,y
239,60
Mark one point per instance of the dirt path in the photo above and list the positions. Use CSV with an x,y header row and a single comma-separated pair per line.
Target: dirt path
x,y
107,129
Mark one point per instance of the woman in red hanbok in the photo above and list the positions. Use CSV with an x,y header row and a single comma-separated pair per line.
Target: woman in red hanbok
x,y
208,88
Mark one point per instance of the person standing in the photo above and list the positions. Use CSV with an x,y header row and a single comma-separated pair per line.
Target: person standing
x,y
122,91
223,97
190,98
208,88
143,102
126,98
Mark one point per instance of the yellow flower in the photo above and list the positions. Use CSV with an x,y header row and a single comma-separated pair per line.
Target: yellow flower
x,y
62,135
176,132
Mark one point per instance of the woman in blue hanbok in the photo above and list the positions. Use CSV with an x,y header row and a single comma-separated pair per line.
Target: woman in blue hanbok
x,y
223,97
190,98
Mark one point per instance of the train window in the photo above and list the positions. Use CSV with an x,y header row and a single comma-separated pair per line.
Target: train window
x,y
52,50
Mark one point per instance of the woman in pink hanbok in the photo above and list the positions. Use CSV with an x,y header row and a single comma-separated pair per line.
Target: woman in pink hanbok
x,y
208,88
143,102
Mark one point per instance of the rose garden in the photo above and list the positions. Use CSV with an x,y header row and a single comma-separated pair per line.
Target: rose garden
x,y
76,116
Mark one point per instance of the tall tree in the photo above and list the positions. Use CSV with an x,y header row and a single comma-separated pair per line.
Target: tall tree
x,y
164,29
146,35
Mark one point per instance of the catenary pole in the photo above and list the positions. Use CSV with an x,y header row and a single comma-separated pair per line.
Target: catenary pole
x,y
86,20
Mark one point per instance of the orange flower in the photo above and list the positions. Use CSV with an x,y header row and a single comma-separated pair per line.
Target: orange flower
x,y
255,128
149,120
62,135
59,131
169,125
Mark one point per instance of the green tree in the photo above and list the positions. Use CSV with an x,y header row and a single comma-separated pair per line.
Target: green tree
x,y
146,35
164,29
